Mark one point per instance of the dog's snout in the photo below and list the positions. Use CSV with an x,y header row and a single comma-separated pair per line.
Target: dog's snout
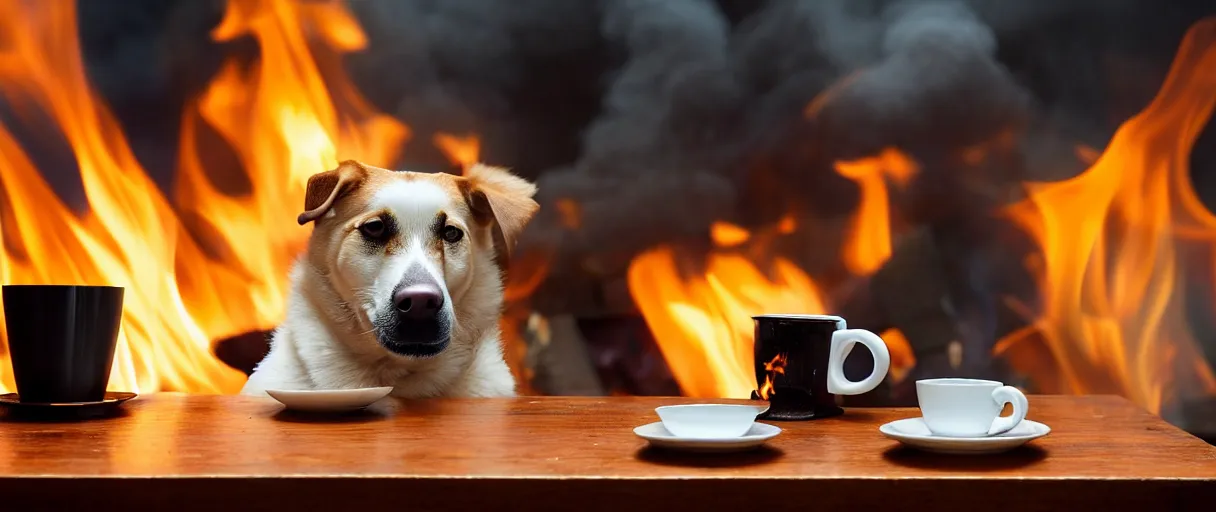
x,y
419,301
419,322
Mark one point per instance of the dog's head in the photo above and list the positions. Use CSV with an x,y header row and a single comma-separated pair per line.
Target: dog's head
x,y
400,248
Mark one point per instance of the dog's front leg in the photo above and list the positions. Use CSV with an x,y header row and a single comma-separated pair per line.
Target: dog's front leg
x,y
278,370
487,376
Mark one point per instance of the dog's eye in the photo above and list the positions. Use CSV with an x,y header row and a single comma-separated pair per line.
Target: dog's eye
x,y
373,229
452,234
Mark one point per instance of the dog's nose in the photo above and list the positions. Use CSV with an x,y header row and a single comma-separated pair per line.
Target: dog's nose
x,y
418,302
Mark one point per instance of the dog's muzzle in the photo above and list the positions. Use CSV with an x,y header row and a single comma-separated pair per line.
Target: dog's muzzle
x,y
418,324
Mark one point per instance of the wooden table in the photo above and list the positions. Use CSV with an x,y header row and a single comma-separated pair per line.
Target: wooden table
x,y
179,452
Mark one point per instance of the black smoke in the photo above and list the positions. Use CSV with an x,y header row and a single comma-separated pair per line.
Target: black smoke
x,y
655,112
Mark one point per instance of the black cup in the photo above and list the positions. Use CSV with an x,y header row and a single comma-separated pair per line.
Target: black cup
x,y
62,339
800,364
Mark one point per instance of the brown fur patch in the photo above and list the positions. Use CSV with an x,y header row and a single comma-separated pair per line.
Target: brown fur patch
x,y
396,244
476,201
483,215
326,188
437,246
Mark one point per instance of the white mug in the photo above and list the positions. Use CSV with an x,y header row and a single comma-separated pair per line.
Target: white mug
x,y
969,407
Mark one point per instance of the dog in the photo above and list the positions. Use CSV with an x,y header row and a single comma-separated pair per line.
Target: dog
x,y
401,284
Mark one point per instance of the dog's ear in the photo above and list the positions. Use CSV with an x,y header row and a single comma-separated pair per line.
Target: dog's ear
x,y
504,199
325,188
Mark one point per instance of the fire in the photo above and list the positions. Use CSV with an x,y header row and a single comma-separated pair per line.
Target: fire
x,y
787,225
772,368
902,358
283,123
462,151
1115,241
728,235
702,321
869,243
203,264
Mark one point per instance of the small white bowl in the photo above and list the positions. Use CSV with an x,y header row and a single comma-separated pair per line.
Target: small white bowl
x,y
328,400
709,421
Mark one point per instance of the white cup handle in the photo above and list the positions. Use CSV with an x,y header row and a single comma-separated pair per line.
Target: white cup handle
x,y
842,343
1009,395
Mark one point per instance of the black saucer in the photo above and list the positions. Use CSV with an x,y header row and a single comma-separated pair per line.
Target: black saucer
x,y
795,405
66,410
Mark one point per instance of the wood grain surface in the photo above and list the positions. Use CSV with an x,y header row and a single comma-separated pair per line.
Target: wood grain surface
x,y
186,452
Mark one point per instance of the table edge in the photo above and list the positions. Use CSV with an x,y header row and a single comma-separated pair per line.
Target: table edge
x,y
551,478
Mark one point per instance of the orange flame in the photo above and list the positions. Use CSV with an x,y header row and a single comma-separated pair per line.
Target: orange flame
x,y
463,151
212,264
902,358
1112,242
869,242
787,225
726,234
702,323
772,368
1087,154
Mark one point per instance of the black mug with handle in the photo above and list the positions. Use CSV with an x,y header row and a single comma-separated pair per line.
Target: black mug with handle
x,y
799,362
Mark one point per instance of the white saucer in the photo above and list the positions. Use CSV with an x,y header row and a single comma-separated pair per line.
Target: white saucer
x,y
328,400
913,432
658,436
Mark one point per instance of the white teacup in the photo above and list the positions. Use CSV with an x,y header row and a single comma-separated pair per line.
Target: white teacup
x,y
969,407
709,421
